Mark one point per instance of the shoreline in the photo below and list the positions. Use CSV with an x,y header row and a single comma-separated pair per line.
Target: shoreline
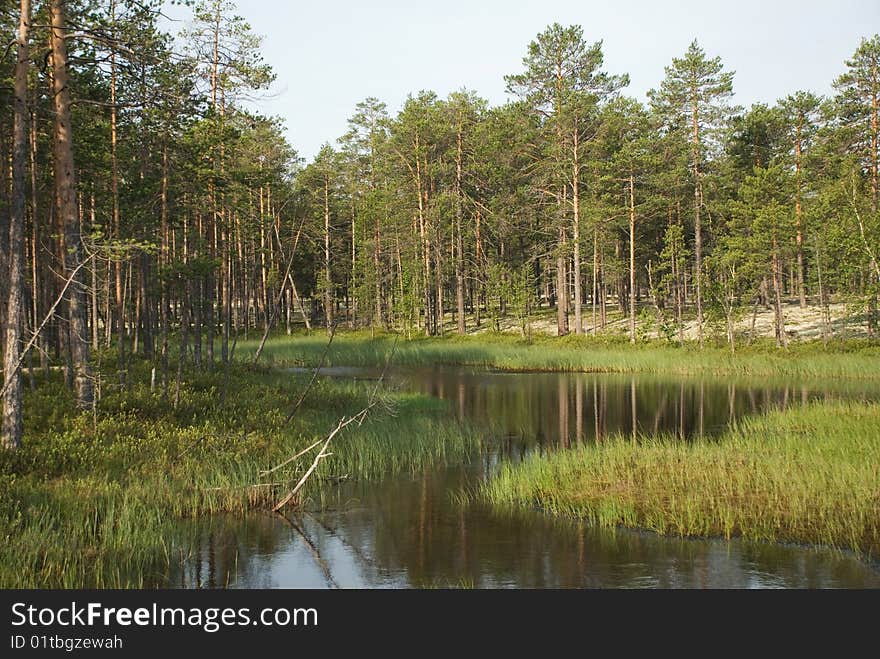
x,y
87,491
796,475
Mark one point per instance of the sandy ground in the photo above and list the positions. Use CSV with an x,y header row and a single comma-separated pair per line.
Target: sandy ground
x,y
800,324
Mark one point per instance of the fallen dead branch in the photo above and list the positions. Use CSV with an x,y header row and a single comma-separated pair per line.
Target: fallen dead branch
x,y
289,460
372,401
343,422
49,315
280,293
242,487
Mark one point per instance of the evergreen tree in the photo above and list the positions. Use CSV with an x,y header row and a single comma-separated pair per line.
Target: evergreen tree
x,y
563,82
692,100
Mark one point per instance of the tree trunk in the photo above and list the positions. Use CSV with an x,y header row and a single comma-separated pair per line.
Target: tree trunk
x,y
184,336
459,241
226,293
425,243
36,292
94,273
210,294
779,321
5,203
632,258
478,247
698,229
875,138
798,219
164,259
603,290
595,296
380,314
114,188
823,302
328,293
561,275
561,287
11,429
576,235
438,287
65,185
147,305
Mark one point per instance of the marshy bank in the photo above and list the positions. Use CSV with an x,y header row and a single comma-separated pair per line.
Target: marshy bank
x,y
416,529
807,475
97,499
855,359
142,493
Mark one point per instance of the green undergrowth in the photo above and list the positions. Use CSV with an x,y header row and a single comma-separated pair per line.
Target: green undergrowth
x,y
96,499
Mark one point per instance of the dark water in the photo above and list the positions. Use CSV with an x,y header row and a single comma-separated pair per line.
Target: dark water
x,y
411,531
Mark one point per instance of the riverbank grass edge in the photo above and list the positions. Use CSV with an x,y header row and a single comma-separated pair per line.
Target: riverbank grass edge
x,y
807,475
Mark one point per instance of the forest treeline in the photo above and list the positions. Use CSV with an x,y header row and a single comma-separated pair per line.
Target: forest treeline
x,y
147,210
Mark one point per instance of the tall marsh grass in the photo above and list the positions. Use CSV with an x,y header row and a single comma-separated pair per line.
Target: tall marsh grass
x,y
97,500
853,359
806,475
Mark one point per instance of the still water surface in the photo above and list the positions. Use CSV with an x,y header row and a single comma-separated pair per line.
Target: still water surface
x,y
411,531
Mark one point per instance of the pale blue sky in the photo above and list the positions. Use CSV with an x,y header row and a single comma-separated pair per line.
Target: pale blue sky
x,y
330,54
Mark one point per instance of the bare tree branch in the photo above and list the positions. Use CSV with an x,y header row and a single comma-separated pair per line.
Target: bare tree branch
x,y
343,422
48,317
314,375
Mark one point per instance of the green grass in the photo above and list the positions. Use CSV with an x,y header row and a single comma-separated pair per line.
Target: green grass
x,y
97,501
851,359
806,475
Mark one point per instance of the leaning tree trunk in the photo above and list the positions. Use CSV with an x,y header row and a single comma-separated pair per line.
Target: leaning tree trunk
x,y
11,424
65,192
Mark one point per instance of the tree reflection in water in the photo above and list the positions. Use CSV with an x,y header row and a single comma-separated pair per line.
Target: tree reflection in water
x,y
412,531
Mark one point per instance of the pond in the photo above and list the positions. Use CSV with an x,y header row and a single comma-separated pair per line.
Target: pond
x,y
413,530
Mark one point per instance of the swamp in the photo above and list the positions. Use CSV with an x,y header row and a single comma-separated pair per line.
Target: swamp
x,y
596,329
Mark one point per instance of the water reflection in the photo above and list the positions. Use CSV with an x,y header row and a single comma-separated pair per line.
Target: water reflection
x,y
411,532
408,533
562,409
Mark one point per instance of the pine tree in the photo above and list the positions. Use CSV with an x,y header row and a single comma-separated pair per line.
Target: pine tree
x,y
859,107
801,111
691,100
11,427
563,82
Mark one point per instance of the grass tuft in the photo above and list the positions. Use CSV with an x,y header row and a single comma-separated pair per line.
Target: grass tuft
x,y
98,500
851,359
806,475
